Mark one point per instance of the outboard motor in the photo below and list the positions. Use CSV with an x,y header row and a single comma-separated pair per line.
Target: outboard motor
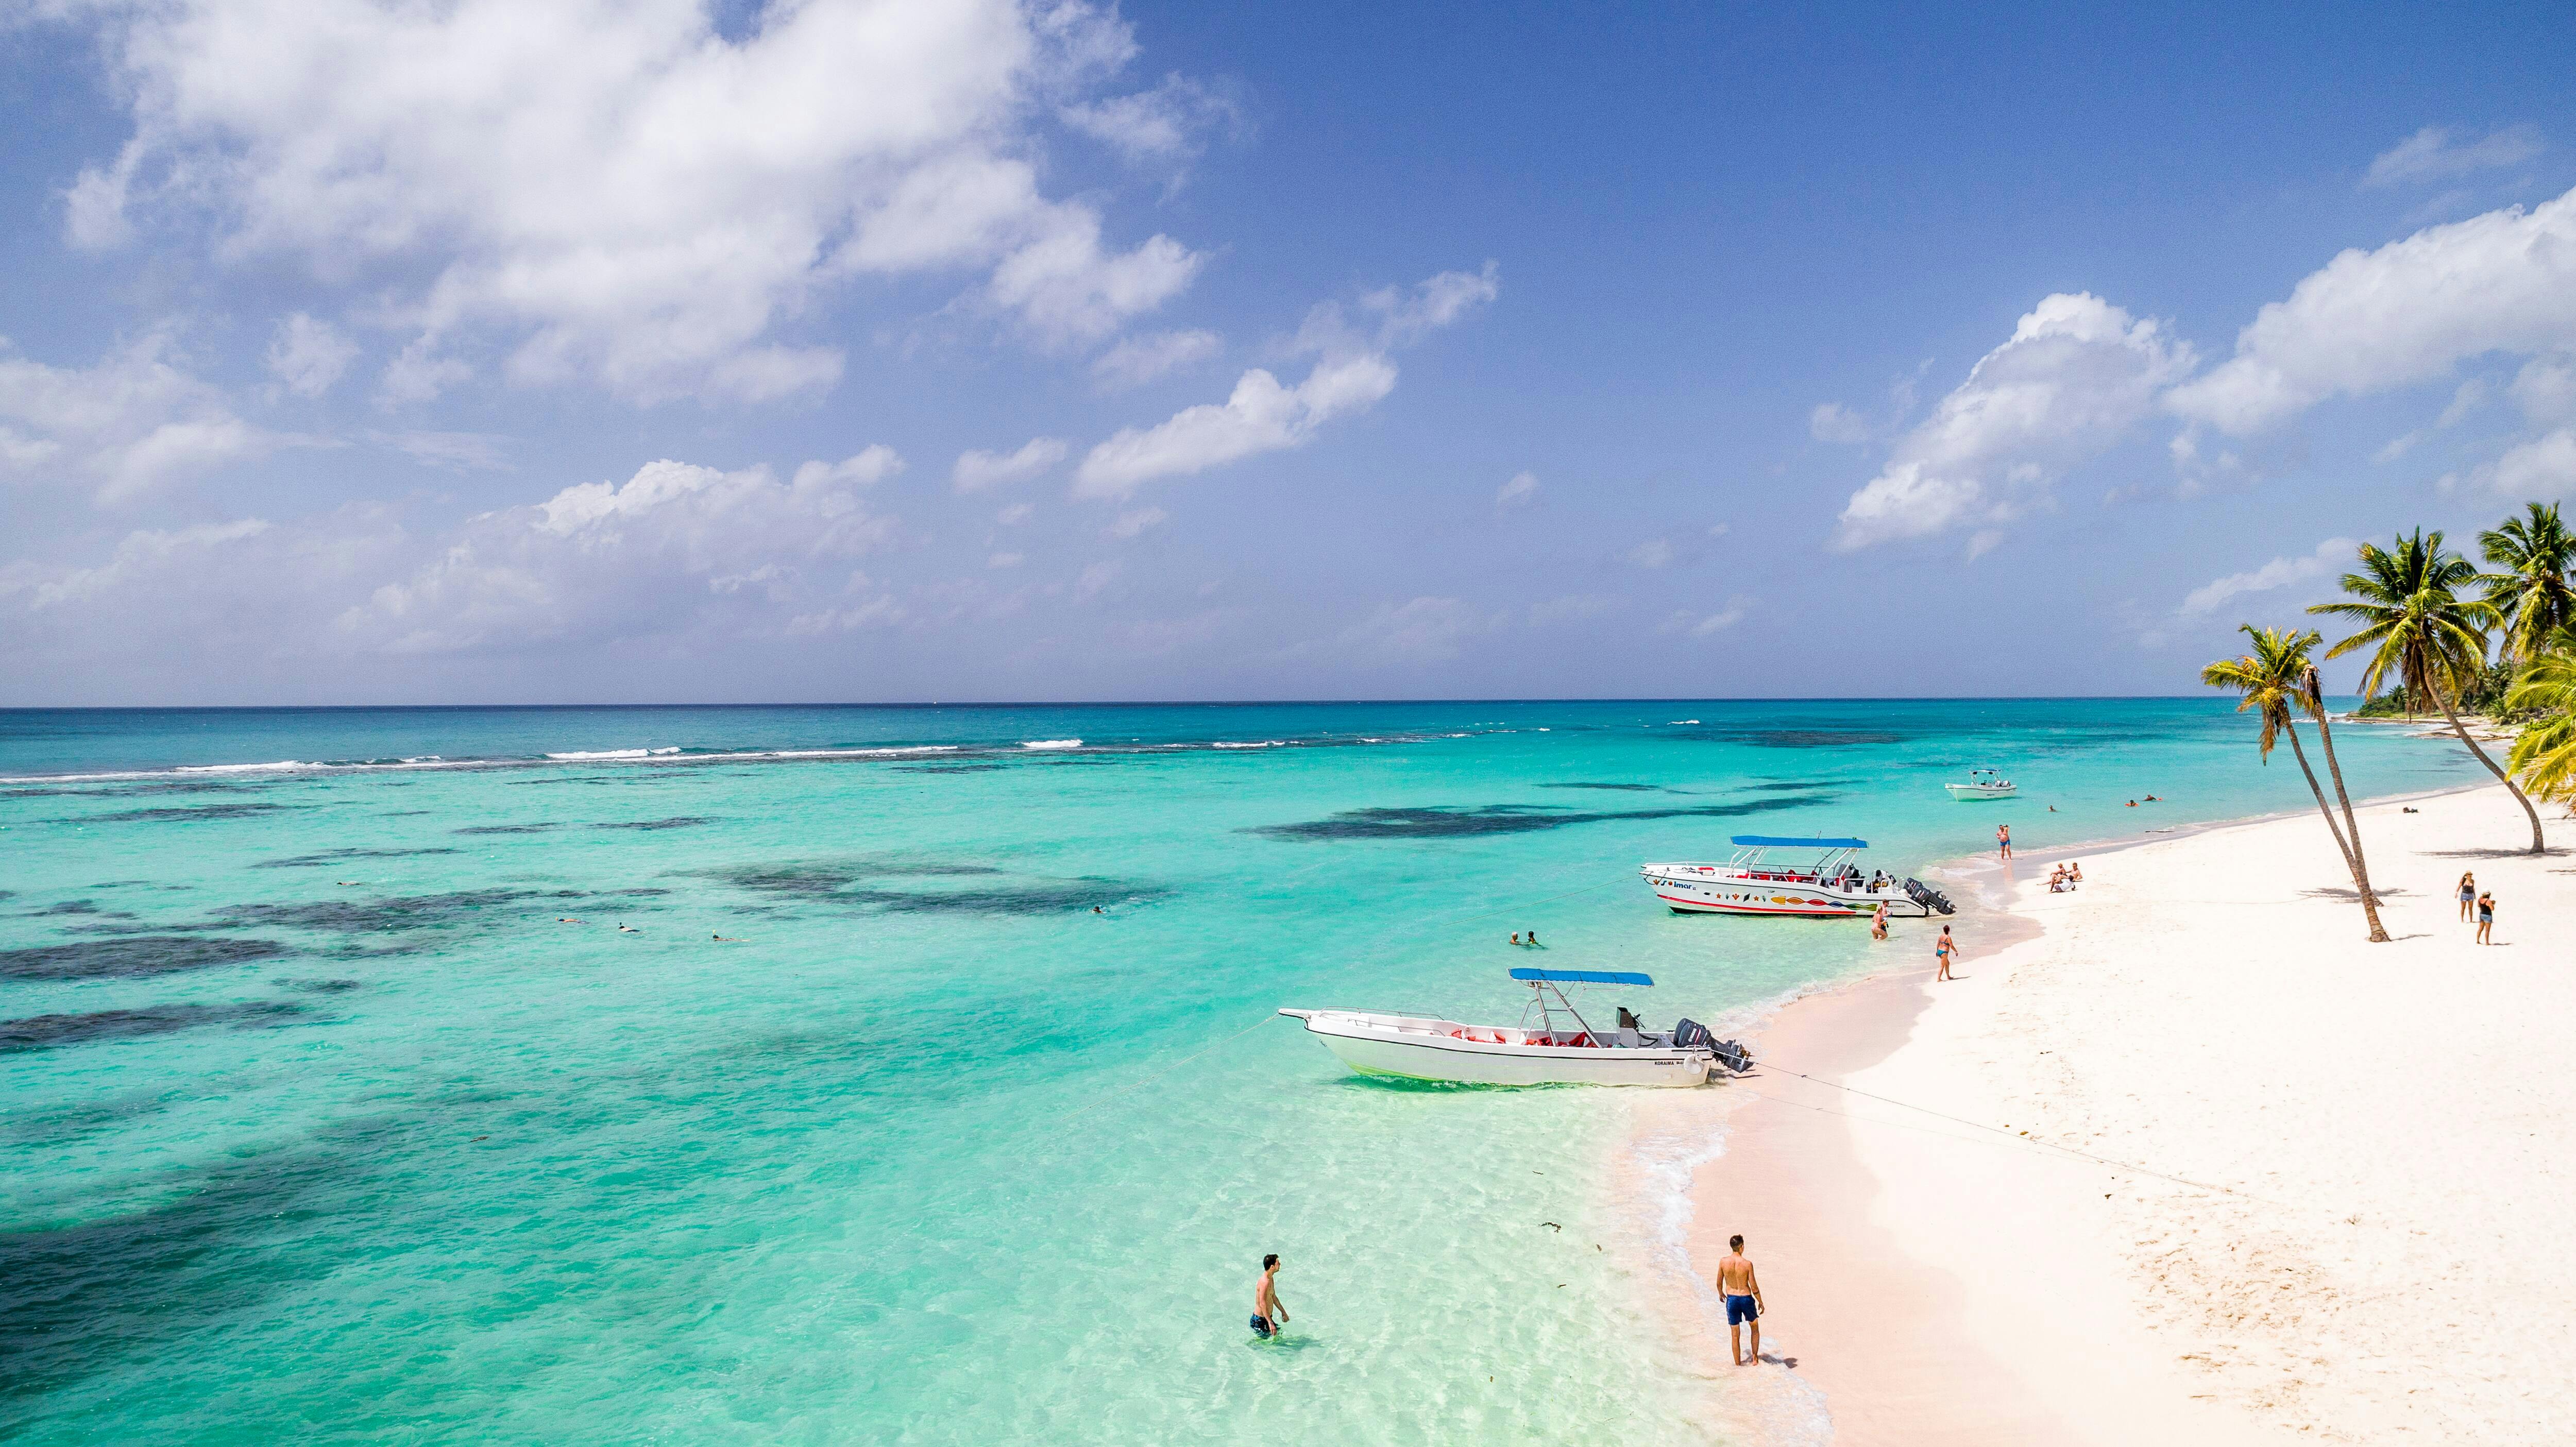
x,y
1932,900
1733,1055
1691,1035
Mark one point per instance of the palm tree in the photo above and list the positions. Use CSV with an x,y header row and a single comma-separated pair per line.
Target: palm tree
x,y
2530,591
2545,753
2279,683
2422,635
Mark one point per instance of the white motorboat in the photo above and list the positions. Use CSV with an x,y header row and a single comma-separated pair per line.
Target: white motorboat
x,y
1982,784
1573,1052
1827,886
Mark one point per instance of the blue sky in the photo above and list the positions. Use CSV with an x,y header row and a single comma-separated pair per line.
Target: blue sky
x,y
490,352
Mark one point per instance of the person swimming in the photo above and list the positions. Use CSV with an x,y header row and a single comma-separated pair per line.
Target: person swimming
x,y
1516,937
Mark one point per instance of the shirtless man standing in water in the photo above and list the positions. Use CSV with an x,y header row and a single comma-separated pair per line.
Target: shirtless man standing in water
x,y
1743,1293
1268,1316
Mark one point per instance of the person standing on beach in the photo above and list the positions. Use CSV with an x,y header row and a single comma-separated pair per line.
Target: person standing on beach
x,y
2003,841
1878,921
2468,895
2486,917
1945,950
1743,1292
1268,1316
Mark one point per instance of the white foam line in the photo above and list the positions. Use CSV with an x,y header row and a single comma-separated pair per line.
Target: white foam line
x,y
1051,744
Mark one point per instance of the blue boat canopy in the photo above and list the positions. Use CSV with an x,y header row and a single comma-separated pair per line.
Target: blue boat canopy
x,y
1585,977
1751,841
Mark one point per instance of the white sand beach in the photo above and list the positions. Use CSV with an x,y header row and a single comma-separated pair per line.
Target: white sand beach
x,y
2333,1201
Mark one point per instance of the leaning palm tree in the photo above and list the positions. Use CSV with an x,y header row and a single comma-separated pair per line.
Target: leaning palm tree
x,y
2530,589
2279,684
2421,634
2545,752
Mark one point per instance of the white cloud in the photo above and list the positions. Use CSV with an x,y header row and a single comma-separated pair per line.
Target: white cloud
x,y
1132,524
2371,321
976,471
138,556
1419,631
309,355
457,451
1016,514
2544,467
2076,375
1095,578
1005,560
1405,317
621,193
2545,389
2436,152
867,467
1834,422
1260,416
1699,625
125,426
1351,374
603,559
1521,491
1570,607
2329,555
1652,553
1162,124
1067,291
1141,359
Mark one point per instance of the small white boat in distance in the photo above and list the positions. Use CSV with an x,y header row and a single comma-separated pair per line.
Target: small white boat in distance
x,y
1422,1047
1982,784
1829,886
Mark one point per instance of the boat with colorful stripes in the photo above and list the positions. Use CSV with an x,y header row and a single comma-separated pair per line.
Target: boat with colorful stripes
x,y
1826,883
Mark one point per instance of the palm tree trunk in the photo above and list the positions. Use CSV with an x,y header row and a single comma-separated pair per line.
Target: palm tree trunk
x,y
2325,736
2360,880
2444,699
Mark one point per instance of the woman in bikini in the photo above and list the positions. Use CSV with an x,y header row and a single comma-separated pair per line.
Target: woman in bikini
x,y
1945,950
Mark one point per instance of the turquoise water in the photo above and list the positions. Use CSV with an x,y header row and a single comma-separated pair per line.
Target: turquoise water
x,y
319,1125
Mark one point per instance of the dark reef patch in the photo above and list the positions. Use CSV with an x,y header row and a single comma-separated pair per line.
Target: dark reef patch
x,y
1466,823
69,906
678,821
1064,896
864,884
510,828
38,1032
122,791
336,856
948,768
398,912
131,956
1620,788
185,814
830,878
319,987
1786,738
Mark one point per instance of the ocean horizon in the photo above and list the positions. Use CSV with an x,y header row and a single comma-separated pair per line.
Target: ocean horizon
x,y
374,1070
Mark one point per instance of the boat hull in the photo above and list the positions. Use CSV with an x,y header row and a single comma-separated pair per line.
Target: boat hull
x,y
1715,889
1415,1048
1967,792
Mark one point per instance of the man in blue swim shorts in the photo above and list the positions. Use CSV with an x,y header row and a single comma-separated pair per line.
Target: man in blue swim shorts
x,y
1268,1316
1743,1292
